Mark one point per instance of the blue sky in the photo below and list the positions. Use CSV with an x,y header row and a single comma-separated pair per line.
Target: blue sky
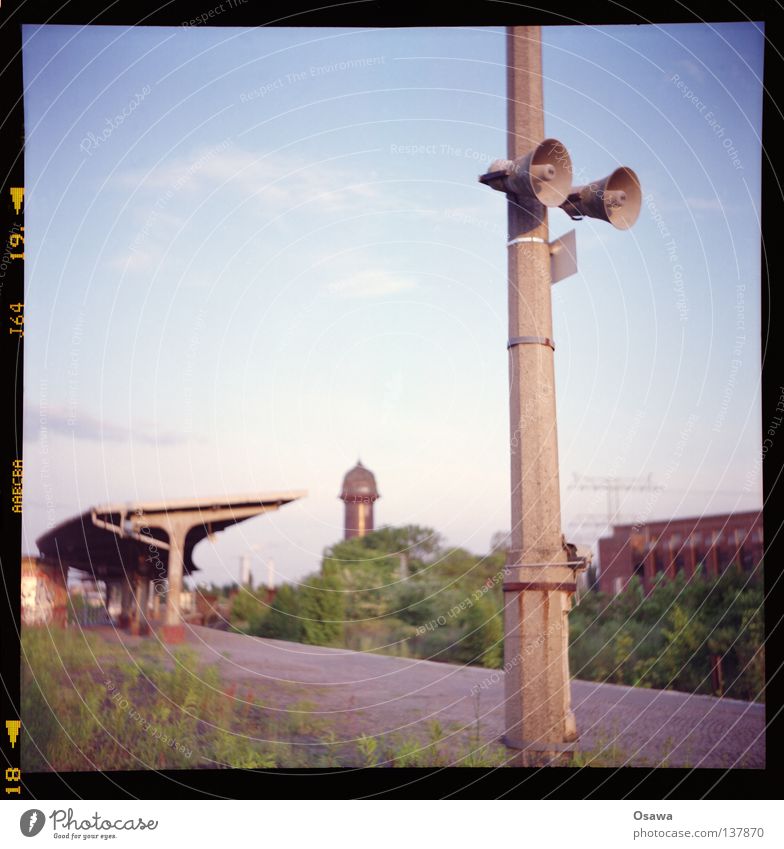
x,y
279,259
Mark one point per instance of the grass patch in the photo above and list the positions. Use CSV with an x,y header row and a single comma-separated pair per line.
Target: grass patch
x,y
89,703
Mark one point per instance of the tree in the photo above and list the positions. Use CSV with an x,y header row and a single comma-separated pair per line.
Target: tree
x,y
283,621
365,569
500,541
683,662
671,636
481,642
417,544
322,611
249,607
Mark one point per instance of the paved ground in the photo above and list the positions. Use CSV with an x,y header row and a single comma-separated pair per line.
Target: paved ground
x,y
398,698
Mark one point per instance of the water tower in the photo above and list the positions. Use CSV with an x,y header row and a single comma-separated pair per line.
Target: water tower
x,y
359,492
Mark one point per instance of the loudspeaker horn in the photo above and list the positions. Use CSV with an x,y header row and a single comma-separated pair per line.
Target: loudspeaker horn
x,y
617,199
543,175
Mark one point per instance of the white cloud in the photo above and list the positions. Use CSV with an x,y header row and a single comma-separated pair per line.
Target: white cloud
x,y
370,284
276,183
277,179
80,425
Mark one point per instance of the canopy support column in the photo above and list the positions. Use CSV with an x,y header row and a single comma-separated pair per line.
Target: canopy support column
x,y
174,630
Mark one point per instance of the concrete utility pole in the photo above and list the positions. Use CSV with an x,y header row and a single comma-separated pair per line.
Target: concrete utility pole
x,y
541,569
539,579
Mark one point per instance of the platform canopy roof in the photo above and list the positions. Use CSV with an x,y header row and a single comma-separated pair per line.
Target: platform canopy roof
x,y
110,540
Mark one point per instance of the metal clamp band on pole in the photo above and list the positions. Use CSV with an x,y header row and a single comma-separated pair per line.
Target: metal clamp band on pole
x,y
526,240
537,565
542,746
530,340
538,586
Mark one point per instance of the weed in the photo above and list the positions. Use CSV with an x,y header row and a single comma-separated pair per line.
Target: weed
x,y
368,747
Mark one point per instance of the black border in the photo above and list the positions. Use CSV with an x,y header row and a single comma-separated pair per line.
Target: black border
x,y
11,351
553,783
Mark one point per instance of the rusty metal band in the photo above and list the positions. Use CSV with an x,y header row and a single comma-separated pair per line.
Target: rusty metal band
x,y
539,746
537,586
530,340
526,240
537,565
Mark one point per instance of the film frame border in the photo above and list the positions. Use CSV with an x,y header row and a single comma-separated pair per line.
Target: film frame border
x,y
405,783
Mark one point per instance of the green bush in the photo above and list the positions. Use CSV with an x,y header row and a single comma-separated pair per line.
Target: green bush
x,y
249,609
283,622
482,633
322,610
667,639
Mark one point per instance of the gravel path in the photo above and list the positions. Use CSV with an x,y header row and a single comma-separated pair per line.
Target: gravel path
x,y
380,696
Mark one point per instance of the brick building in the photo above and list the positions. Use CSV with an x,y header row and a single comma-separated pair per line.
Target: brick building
x,y
44,593
679,546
